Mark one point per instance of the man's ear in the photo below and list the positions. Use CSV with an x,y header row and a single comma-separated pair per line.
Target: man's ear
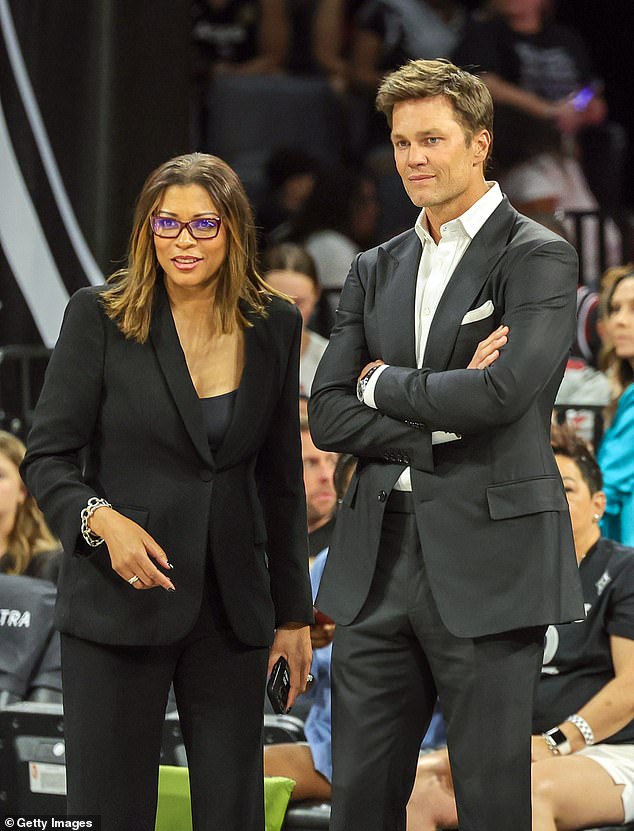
x,y
481,146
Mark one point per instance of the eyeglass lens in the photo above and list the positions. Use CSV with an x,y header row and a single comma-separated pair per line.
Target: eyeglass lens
x,y
203,228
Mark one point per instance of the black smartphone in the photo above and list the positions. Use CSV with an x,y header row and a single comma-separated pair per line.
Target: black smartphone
x,y
279,685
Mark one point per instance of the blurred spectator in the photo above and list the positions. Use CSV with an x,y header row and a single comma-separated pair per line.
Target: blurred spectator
x,y
30,661
387,34
584,386
332,37
321,499
336,221
290,174
245,37
27,547
242,36
616,453
532,63
539,175
290,269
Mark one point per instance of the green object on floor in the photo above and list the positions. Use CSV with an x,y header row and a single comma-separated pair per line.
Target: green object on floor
x,y
277,792
174,809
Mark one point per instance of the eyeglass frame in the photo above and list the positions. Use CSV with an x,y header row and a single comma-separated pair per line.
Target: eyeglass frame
x,y
187,225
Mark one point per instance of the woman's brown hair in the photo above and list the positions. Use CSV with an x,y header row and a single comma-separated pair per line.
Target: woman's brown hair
x,y
620,369
129,299
30,534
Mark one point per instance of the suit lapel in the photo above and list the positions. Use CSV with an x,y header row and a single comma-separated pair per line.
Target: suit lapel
x,y
395,297
465,284
171,359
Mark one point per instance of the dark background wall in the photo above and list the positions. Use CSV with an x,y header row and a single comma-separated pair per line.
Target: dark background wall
x,y
111,82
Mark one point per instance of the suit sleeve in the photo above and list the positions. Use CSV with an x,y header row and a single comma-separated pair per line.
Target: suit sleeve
x,y
65,419
281,489
539,308
339,422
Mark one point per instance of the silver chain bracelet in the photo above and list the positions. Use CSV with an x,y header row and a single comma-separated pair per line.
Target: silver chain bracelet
x,y
93,503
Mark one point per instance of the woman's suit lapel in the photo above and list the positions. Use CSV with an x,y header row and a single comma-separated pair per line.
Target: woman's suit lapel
x,y
171,358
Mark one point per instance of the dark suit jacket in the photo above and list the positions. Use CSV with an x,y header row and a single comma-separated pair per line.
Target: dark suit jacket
x,y
491,510
121,420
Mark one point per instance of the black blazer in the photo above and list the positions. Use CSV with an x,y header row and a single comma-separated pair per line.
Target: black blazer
x,y
491,510
122,420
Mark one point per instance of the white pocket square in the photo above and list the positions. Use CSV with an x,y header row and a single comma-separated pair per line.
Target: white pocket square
x,y
485,310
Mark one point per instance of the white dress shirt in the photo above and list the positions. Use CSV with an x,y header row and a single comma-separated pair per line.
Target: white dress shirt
x,y
437,264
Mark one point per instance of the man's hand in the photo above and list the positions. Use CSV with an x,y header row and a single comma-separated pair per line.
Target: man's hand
x,y
321,634
488,350
368,367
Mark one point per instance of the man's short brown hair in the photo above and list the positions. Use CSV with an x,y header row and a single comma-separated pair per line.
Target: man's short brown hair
x,y
467,94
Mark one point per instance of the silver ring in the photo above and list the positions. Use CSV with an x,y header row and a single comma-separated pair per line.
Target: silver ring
x,y
133,579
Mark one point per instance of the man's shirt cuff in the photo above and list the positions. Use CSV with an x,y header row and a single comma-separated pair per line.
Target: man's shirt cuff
x,y
368,392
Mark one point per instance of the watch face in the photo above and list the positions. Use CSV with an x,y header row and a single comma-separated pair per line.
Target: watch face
x,y
558,735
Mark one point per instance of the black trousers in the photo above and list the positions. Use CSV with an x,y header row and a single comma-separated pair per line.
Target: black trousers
x,y
114,708
388,667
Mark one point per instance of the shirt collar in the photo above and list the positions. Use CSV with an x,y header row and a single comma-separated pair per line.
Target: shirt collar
x,y
471,220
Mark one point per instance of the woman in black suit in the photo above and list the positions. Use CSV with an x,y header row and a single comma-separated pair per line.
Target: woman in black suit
x,y
167,429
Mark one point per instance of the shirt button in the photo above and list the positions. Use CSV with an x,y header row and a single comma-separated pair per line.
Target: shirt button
x,y
427,310
206,475
382,496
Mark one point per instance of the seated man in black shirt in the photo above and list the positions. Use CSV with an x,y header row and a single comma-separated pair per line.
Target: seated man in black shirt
x,y
583,747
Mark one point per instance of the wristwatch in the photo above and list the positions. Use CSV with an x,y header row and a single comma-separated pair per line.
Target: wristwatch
x,y
363,383
557,742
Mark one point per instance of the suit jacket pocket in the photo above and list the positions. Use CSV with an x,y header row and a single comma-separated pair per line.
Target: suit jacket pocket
x,y
526,496
138,515
482,312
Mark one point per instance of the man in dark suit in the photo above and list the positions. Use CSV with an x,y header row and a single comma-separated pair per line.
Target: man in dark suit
x,y
452,549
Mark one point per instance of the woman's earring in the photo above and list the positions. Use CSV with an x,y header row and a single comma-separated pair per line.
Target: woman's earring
x,y
596,517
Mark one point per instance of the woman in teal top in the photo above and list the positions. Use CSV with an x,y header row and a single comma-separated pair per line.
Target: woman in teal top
x,y
616,453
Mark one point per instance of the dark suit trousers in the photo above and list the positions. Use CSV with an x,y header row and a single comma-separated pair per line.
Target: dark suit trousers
x,y
388,667
114,708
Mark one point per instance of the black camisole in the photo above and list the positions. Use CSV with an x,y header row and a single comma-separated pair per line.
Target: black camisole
x,y
217,413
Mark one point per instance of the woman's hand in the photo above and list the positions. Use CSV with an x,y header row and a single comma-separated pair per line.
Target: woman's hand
x,y
488,350
539,749
131,550
292,640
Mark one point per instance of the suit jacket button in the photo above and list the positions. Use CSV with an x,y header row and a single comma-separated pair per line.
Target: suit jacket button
x,y
206,475
382,496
